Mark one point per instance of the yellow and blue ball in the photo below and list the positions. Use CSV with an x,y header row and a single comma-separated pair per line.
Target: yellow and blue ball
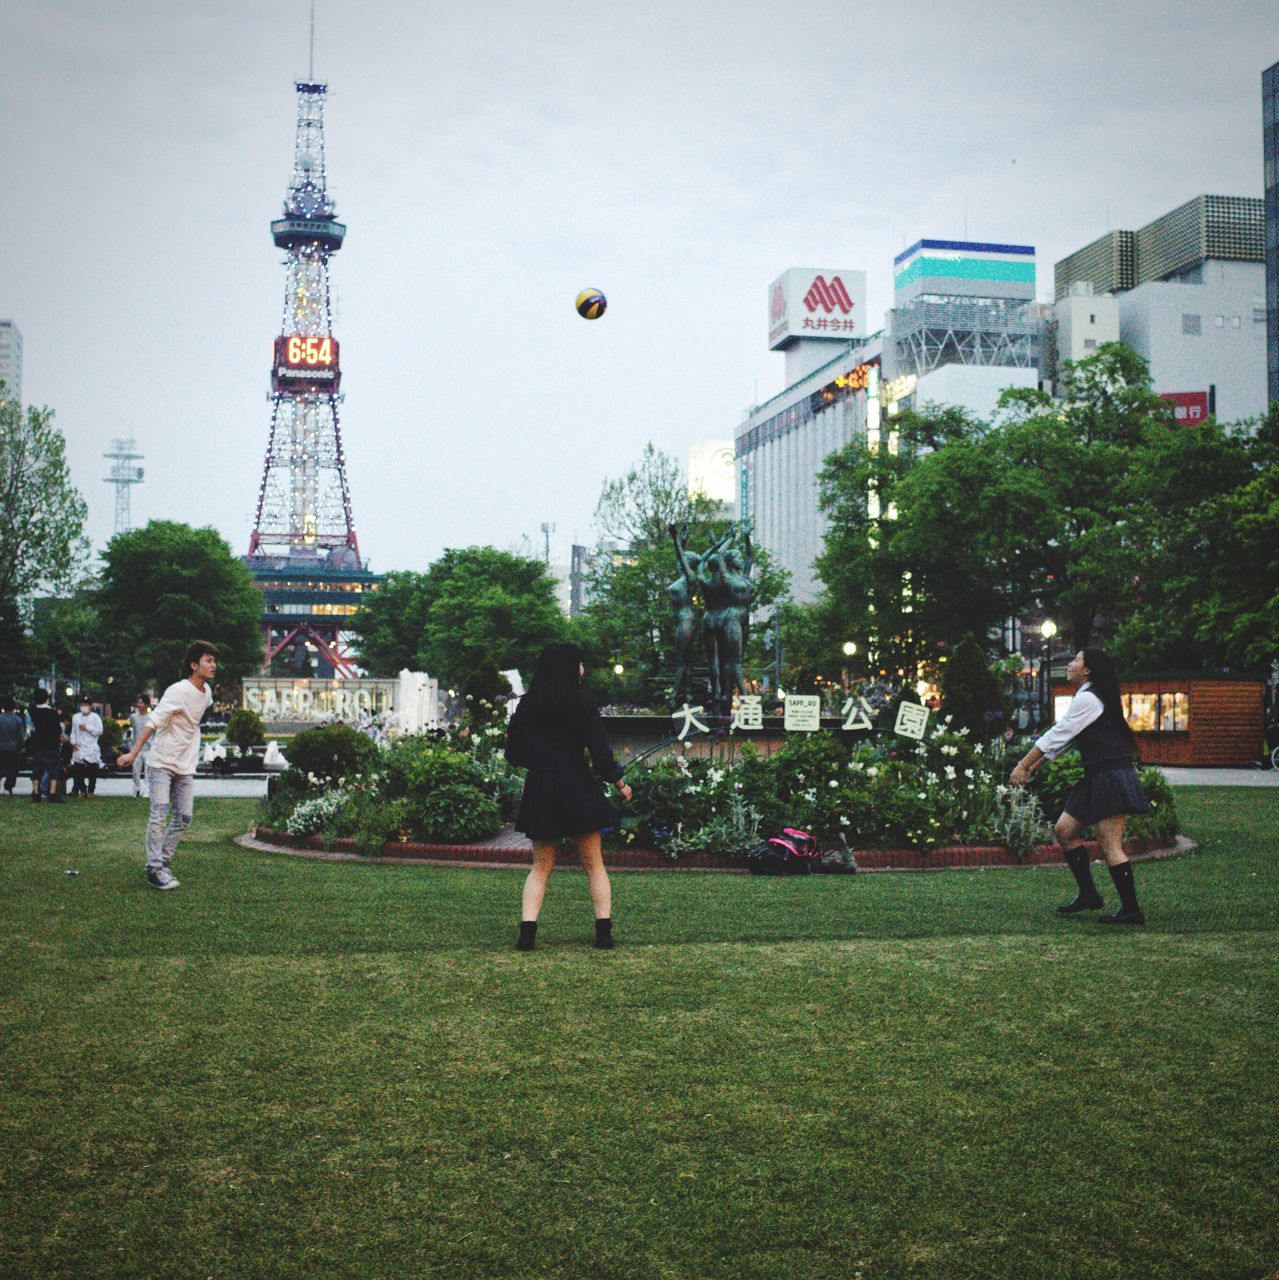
x,y
591,304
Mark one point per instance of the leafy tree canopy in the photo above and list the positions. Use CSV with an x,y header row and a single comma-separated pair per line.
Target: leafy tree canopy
x,y
41,513
1098,509
168,584
472,603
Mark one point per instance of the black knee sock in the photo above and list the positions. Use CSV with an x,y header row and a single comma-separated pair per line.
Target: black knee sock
x,y
1079,862
528,931
604,932
1122,876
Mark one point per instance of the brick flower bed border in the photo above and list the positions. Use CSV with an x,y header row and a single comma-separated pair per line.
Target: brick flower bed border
x,y
512,849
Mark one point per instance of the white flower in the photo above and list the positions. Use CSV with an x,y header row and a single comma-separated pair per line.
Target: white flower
x,y
844,822
950,772
872,772
833,783
923,795
968,773
716,775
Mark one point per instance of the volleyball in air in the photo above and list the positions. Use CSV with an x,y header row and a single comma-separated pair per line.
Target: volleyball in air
x,y
591,304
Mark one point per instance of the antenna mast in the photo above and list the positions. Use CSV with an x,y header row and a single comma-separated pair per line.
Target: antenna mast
x,y
124,474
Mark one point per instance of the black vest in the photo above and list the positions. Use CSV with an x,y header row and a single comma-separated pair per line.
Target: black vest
x,y
1103,743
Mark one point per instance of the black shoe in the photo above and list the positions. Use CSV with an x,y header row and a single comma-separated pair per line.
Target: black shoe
x,y
604,934
1081,903
528,932
1122,917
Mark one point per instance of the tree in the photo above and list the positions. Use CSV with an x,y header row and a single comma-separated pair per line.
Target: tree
x,y
1206,591
391,623
971,693
977,523
168,584
637,508
41,512
471,604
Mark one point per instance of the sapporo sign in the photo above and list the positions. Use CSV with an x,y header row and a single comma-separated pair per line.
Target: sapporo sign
x,y
319,700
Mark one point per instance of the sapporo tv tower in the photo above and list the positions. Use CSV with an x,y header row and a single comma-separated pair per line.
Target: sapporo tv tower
x,y
303,551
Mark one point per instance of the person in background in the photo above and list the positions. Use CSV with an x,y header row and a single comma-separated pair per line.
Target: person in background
x,y
551,728
137,724
45,746
175,724
86,755
13,733
1095,724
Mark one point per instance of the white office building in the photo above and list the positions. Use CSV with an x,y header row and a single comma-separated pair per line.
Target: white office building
x,y
1189,292
963,328
11,360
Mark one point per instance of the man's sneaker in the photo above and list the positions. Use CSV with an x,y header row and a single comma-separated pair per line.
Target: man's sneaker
x,y
162,879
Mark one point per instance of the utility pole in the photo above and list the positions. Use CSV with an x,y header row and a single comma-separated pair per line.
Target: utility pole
x,y
547,530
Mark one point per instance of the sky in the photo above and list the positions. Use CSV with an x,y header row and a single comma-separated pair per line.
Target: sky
x,y
491,160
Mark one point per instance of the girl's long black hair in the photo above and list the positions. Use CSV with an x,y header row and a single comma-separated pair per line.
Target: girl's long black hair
x,y
556,686
1104,681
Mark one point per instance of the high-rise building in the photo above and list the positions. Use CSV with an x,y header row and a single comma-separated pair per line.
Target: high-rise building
x,y
965,327
1189,288
1270,133
10,361
1108,264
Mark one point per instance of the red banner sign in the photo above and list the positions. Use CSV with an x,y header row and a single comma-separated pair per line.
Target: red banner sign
x,y
1189,407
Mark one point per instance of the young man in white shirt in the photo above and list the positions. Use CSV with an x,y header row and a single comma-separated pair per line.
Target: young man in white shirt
x,y
175,725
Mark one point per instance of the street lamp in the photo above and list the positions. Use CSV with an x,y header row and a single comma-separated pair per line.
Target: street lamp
x,y
850,648
618,668
1048,629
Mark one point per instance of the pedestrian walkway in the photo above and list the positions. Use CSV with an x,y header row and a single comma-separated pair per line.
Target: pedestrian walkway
x,y
1220,777
205,785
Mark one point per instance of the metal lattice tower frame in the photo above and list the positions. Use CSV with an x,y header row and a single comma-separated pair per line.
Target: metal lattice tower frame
x,y
124,475
304,506
959,331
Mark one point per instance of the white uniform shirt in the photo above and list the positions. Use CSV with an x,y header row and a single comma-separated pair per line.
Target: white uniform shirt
x,y
1085,707
177,716
85,732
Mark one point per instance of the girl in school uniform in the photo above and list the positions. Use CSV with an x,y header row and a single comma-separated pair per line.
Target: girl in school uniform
x,y
552,728
1094,723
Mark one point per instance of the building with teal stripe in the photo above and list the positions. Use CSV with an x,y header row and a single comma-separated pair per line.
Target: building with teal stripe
x,y
971,271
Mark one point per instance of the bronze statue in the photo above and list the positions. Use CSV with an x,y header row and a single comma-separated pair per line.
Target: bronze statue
x,y
683,595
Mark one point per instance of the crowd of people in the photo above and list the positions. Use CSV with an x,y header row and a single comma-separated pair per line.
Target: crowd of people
x,y
62,749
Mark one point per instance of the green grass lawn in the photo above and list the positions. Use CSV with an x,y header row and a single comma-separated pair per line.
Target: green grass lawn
x,y
299,1068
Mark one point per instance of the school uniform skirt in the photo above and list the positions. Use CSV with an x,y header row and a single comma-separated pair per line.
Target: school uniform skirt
x,y
561,803
1107,790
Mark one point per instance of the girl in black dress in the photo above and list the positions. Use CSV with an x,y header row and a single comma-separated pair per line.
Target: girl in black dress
x,y
1094,722
551,729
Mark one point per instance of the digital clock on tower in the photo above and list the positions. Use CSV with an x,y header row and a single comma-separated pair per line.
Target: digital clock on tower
x,y
306,363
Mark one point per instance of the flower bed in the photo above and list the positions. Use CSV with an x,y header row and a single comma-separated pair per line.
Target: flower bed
x,y
510,849
937,799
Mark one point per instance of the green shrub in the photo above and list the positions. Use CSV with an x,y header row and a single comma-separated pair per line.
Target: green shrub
x,y
284,792
444,792
454,813
111,743
485,692
330,752
370,820
971,693
1052,782
245,729
1160,826
666,794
